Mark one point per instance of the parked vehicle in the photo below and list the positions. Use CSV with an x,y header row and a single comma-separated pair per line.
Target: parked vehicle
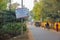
x,y
37,24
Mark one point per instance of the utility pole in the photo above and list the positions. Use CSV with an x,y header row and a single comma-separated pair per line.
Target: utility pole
x,y
21,18
21,3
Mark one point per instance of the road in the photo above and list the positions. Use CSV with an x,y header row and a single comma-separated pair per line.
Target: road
x,y
43,34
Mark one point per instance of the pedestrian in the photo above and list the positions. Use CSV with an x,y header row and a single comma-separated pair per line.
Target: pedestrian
x,y
47,25
57,27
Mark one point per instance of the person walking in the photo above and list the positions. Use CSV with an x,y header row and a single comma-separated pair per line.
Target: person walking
x,y
57,27
47,25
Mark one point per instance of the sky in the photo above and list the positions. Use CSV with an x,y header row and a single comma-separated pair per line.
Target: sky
x,y
27,3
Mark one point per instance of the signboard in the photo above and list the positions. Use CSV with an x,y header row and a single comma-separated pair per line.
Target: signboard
x,y
21,12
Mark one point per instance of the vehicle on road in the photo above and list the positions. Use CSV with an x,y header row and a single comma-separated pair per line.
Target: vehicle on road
x,y
37,23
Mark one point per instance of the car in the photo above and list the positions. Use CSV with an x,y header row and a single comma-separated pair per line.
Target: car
x,y
37,24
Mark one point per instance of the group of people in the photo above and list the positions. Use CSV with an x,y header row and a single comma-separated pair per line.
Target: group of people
x,y
48,26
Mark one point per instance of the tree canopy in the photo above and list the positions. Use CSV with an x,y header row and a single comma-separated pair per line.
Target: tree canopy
x,y
47,9
3,4
14,6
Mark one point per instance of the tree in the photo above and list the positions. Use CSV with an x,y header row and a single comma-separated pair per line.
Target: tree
x,y
36,11
48,8
14,6
3,4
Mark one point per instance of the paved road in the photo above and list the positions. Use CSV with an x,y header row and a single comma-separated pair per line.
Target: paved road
x,y
43,34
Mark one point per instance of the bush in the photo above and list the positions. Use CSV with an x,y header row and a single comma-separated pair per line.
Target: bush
x,y
13,28
9,25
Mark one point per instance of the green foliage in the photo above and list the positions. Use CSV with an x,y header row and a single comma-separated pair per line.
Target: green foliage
x,y
36,11
14,6
9,24
24,27
3,4
6,16
47,8
13,28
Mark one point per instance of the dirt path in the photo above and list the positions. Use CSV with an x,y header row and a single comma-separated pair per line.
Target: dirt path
x,y
30,35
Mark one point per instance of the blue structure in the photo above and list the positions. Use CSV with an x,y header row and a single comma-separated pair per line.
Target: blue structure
x,y
22,12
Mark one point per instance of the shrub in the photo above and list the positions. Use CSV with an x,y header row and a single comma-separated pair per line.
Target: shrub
x,y
13,28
